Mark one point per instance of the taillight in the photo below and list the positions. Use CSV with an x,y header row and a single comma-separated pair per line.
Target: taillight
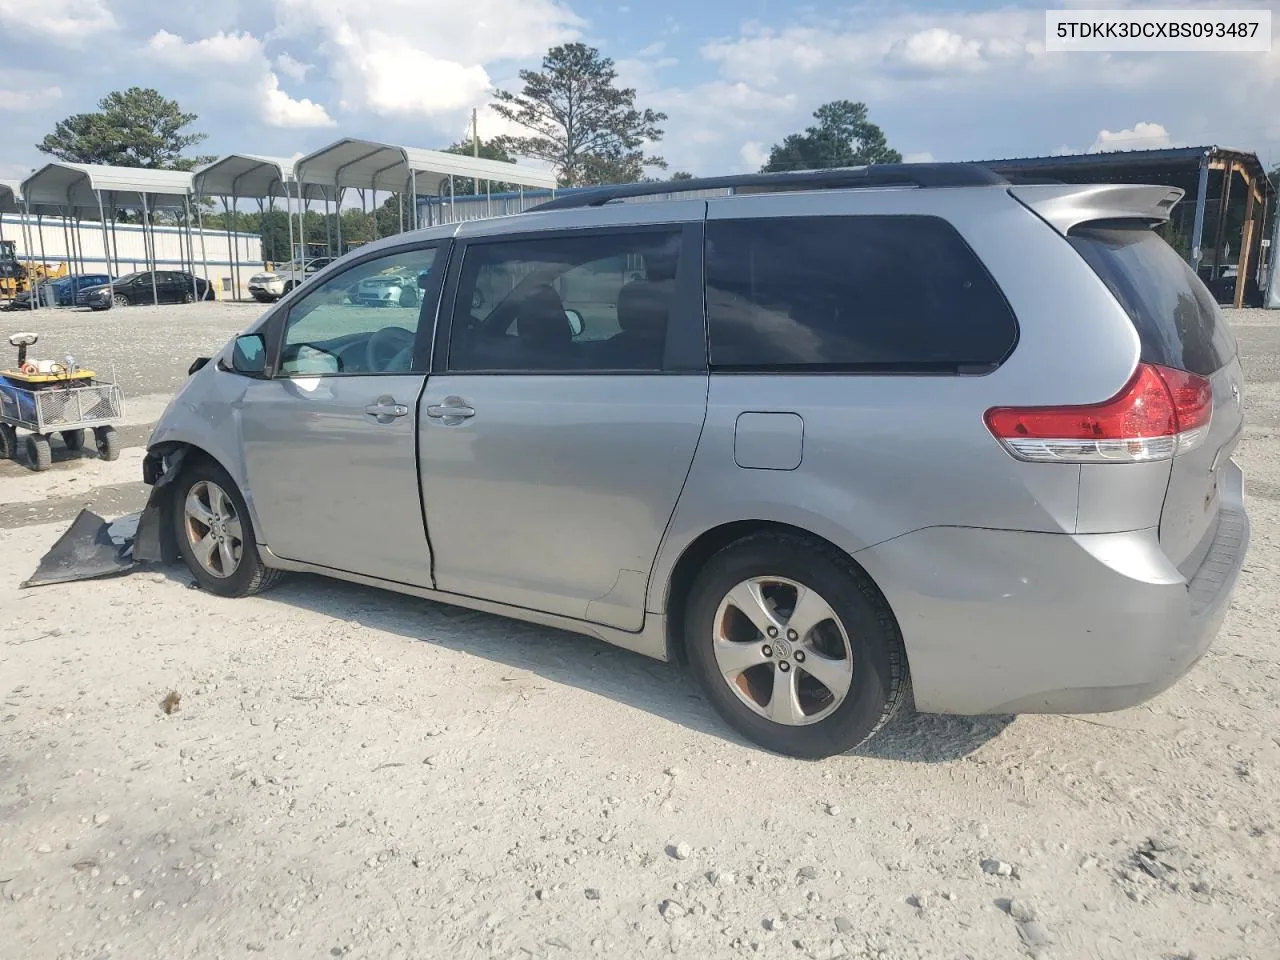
x,y
1160,413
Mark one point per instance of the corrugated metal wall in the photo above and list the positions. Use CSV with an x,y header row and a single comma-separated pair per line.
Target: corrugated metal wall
x,y
57,241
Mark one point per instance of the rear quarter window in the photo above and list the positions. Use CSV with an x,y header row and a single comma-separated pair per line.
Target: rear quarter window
x,y
1178,322
860,293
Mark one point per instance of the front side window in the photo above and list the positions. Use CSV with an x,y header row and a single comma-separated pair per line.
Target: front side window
x,y
869,293
598,301
363,320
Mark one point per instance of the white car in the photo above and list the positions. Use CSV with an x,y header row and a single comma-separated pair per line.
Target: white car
x,y
271,285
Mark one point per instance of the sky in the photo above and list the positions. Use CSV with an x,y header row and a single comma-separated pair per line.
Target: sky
x,y
945,79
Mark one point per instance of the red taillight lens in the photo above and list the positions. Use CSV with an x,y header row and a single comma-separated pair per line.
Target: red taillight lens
x,y
1161,412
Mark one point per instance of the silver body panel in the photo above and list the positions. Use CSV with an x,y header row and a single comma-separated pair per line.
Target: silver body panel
x,y
568,500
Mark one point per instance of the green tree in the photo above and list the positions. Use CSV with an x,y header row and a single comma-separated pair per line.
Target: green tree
x,y
581,122
131,128
488,150
842,137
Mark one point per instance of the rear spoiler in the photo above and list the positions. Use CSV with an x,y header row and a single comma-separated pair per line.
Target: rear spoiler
x,y
1070,205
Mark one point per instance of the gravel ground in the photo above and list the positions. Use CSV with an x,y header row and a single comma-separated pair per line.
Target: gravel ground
x,y
328,770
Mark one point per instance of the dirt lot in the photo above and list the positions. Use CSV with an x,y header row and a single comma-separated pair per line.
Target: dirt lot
x,y
349,773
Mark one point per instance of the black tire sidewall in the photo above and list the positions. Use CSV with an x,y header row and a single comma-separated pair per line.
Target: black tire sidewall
x,y
873,637
240,582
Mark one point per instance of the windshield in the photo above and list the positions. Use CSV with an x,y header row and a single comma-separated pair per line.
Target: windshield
x,y
129,276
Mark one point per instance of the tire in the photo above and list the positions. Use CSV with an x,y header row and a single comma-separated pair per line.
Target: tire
x,y
288,288
207,483
852,632
188,297
120,300
73,440
8,442
108,442
39,455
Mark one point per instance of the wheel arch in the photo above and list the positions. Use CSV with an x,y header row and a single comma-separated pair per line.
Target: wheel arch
x,y
708,543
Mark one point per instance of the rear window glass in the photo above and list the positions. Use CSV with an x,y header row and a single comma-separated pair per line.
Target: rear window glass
x,y
1177,320
865,293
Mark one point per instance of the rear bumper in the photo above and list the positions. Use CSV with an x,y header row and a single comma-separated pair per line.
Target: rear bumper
x,y
1011,622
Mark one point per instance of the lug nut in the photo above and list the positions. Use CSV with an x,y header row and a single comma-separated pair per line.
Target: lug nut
x,y
799,656
784,666
792,635
773,631
767,650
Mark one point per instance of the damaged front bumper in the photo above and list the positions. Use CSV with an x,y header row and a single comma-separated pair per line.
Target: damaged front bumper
x,y
93,547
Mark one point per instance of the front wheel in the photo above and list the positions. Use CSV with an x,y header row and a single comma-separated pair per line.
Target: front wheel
x,y
8,442
120,300
108,442
215,535
39,454
795,646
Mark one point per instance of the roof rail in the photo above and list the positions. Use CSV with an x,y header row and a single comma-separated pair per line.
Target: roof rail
x,y
875,175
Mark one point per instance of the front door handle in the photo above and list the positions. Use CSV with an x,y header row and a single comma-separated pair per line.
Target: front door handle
x,y
386,409
453,411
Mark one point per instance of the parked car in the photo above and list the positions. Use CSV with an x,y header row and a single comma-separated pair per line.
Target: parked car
x,y
969,435
270,285
67,288
169,286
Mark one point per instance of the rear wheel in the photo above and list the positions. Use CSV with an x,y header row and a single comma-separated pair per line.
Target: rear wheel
x,y
795,646
215,535
188,297
39,455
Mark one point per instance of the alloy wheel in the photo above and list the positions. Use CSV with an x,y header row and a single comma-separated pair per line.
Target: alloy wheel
x,y
213,529
782,650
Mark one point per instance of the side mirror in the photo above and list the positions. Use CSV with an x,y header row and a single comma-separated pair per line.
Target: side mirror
x,y
575,321
249,355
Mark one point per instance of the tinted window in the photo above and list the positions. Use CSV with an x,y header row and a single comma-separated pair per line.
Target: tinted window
x,y
596,301
363,320
869,293
1176,317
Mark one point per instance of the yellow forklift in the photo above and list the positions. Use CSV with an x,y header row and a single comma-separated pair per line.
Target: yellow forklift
x,y
14,275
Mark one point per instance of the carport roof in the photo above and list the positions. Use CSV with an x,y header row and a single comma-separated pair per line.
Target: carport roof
x,y
64,184
251,176
10,196
367,164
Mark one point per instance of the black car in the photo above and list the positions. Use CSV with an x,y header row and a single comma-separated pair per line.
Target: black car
x,y
170,286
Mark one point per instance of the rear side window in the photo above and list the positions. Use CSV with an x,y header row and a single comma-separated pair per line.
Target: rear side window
x,y
1177,320
863,293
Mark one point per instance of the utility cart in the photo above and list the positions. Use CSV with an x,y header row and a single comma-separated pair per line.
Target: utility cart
x,y
46,397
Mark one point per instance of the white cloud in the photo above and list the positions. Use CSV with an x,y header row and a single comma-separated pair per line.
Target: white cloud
x,y
390,59
923,157
281,110
973,85
244,53
753,155
29,99
221,50
653,50
292,68
1141,136
69,22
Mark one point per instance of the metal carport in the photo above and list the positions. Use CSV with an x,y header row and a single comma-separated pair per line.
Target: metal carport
x,y
76,187
366,164
251,177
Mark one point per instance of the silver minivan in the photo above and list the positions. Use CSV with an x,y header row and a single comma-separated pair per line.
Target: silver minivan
x,y
829,438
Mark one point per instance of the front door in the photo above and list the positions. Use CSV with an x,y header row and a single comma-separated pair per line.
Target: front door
x,y
329,440
562,415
